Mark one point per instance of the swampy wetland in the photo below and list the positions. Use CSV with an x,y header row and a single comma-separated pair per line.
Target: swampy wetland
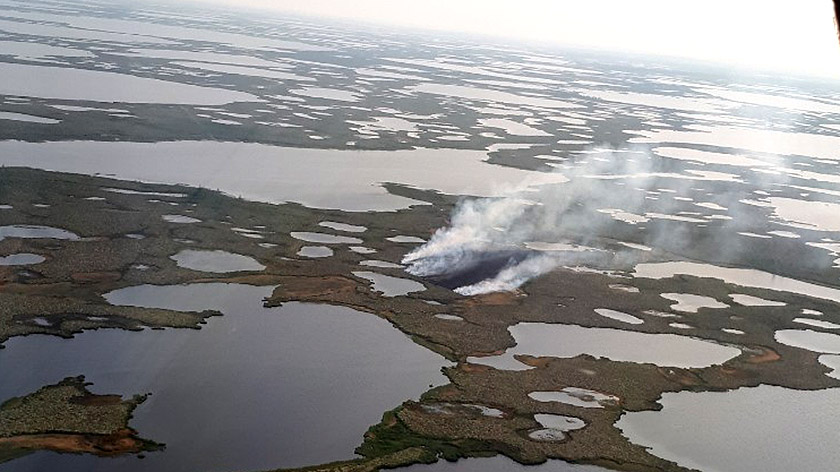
x,y
240,243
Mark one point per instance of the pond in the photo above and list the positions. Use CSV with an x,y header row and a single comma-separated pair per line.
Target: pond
x,y
558,340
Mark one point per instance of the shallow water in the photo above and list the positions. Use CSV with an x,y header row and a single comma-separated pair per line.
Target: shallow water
x,y
555,427
347,179
390,286
244,70
819,216
36,51
769,141
323,238
78,84
180,219
618,316
557,340
832,361
362,250
690,303
487,95
743,277
749,300
315,251
405,239
511,127
381,264
35,232
343,227
254,389
215,261
810,340
23,258
736,431
5,115
328,94
817,323
576,396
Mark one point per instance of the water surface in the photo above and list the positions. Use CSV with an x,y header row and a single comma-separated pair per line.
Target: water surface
x,y
810,340
35,232
743,277
23,258
215,261
80,84
323,238
346,179
255,389
557,340
390,286
742,430
315,251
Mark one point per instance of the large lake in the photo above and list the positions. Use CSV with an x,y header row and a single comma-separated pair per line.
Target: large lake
x,y
254,389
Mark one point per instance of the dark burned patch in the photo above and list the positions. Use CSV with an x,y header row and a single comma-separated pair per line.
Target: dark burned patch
x,y
479,266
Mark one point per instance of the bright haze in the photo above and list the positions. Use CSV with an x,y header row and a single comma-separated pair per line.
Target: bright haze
x,y
793,36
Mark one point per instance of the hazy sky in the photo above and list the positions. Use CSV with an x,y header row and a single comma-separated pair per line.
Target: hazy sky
x,y
797,35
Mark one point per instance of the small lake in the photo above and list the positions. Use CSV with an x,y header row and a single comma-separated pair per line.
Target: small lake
x,y
254,389
65,83
215,261
743,277
35,232
23,258
742,430
558,340
315,251
390,286
811,340
323,238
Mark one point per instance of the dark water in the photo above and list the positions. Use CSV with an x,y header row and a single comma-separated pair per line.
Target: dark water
x,y
500,464
255,389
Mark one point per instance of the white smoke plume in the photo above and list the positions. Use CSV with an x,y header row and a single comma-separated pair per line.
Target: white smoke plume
x,y
603,187
511,277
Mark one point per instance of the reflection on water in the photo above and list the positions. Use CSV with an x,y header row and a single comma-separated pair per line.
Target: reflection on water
x,y
736,431
811,340
254,389
343,227
78,84
23,258
390,286
215,261
576,396
554,427
323,238
691,303
618,316
5,115
346,180
743,277
556,340
35,232
315,251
